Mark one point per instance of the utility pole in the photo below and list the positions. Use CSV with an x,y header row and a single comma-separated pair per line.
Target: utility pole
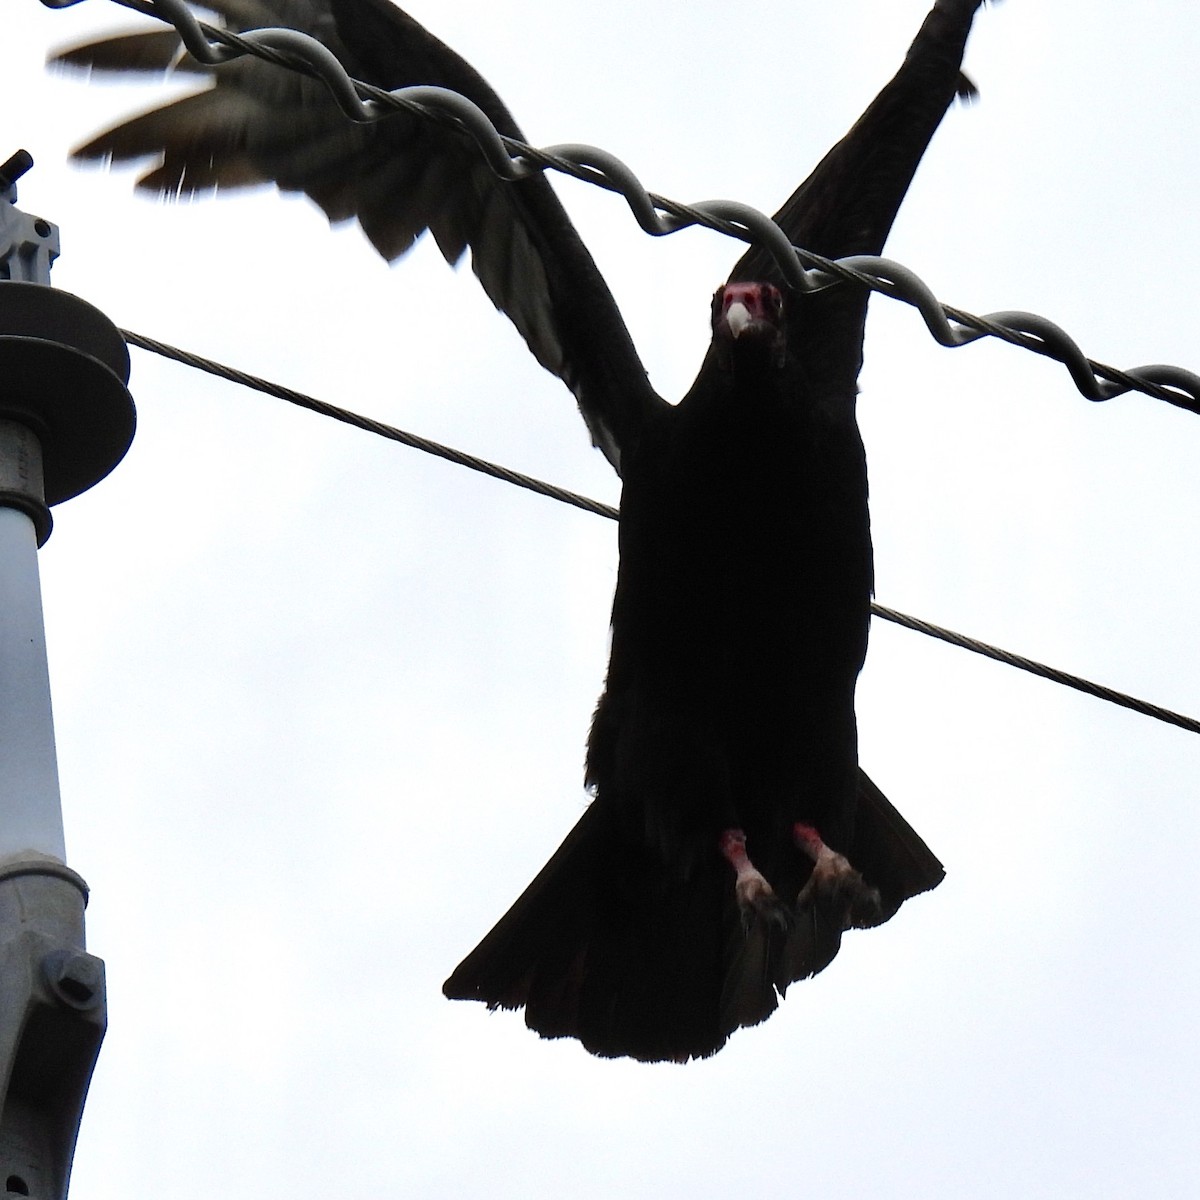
x,y
66,420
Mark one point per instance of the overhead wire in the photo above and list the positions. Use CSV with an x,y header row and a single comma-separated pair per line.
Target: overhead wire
x,y
565,496
512,159
325,409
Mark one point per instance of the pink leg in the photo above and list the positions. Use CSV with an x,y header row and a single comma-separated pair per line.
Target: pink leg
x,y
754,894
834,879
751,884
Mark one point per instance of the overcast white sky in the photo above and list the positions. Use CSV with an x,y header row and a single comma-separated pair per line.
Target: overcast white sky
x,y
321,701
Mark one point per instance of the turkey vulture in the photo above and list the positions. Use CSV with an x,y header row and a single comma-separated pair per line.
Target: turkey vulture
x,y
732,837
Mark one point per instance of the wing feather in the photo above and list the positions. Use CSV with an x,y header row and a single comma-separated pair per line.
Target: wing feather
x,y
258,123
849,201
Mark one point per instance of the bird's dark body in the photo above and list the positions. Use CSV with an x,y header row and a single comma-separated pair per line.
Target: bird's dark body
x,y
740,619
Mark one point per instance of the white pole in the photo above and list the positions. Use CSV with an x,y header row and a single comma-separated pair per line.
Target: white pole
x,y
30,806
66,420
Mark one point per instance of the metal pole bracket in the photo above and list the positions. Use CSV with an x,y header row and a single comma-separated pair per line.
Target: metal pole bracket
x,y
53,1014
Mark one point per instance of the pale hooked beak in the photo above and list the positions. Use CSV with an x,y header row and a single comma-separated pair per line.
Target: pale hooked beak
x,y
737,317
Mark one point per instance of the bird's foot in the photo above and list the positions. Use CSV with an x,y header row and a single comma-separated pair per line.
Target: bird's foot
x,y
755,896
834,882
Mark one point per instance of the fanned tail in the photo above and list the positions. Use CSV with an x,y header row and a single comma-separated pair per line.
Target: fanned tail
x,y
633,960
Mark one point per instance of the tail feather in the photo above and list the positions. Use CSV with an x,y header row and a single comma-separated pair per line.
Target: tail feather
x,y
812,944
531,951
888,852
749,992
608,946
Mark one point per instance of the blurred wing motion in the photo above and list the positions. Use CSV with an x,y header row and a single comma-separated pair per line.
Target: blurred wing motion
x,y
732,838
397,178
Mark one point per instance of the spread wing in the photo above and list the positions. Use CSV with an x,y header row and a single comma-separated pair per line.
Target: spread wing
x,y
258,123
849,201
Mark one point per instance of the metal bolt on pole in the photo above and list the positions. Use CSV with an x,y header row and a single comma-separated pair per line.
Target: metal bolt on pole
x,y
66,420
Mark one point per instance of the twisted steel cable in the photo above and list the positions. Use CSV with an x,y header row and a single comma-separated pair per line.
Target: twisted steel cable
x,y
804,270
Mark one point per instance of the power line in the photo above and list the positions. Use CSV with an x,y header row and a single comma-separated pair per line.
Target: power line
x,y
1034,667
416,441
512,159
517,478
